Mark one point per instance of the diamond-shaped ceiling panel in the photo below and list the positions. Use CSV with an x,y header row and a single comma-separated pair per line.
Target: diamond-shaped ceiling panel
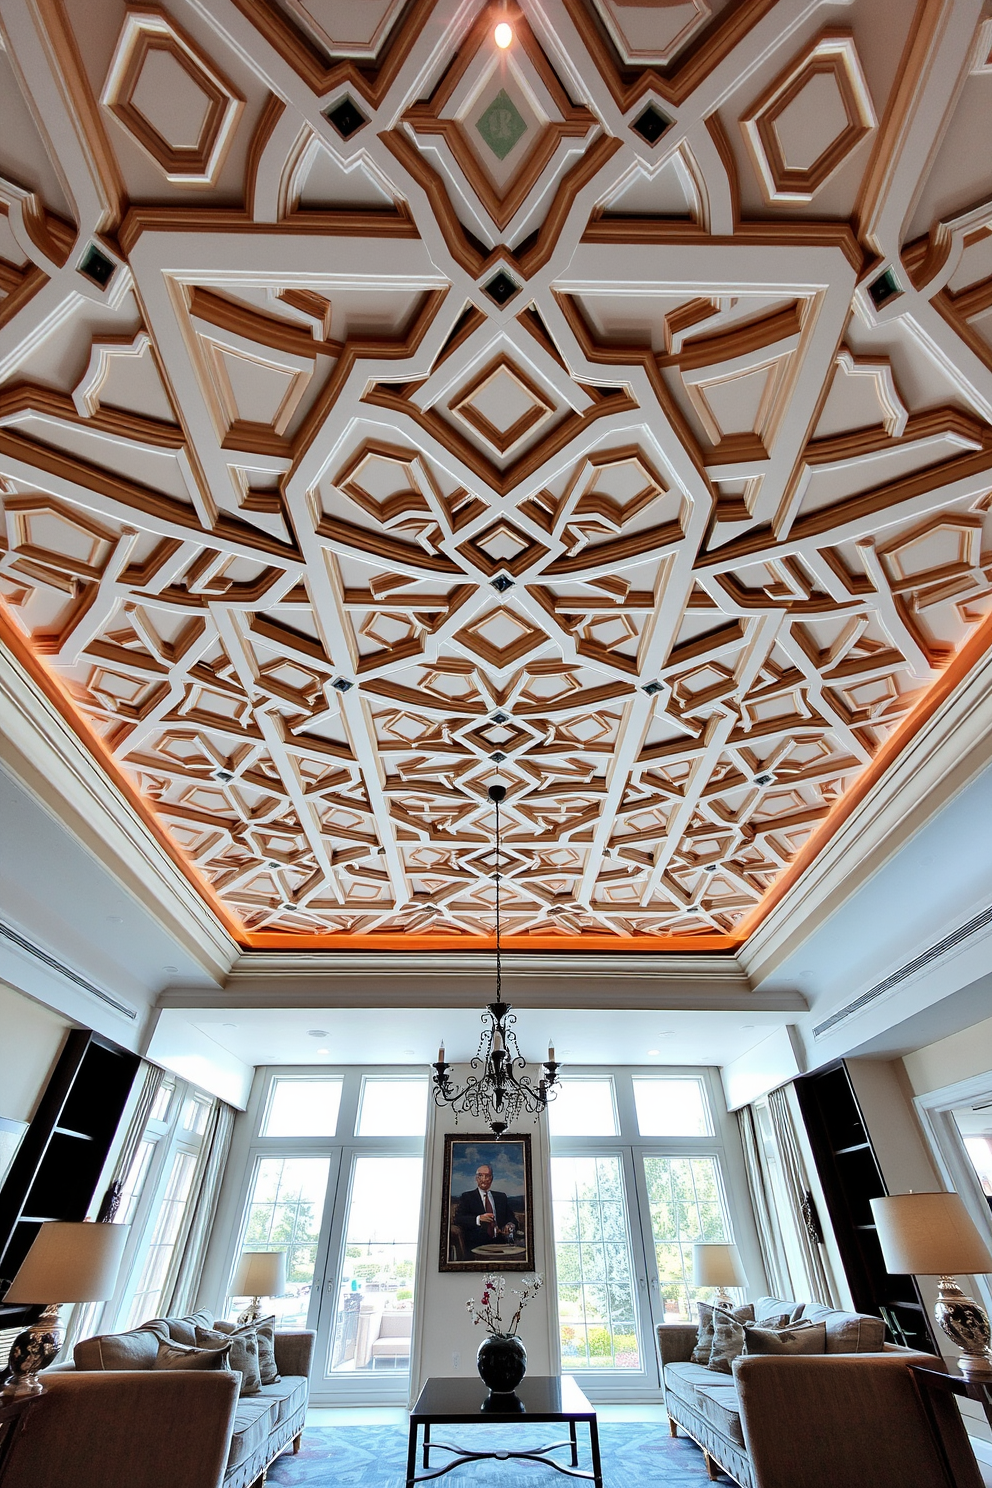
x,y
390,413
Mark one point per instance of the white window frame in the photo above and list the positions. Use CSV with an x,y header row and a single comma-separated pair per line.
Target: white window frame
x,y
935,1110
249,1147
724,1145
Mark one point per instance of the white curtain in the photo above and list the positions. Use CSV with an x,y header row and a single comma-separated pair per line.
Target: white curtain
x,y
765,1220
821,1288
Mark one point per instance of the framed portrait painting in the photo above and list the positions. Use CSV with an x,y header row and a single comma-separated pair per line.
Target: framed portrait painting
x,y
487,1209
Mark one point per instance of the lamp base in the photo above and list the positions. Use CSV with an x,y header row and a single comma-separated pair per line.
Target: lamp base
x,y
30,1353
966,1325
251,1313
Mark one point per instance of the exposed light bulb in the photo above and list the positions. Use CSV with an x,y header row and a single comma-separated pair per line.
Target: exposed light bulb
x,y
503,35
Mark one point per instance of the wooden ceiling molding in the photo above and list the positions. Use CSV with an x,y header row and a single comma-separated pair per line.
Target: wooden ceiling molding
x,y
323,512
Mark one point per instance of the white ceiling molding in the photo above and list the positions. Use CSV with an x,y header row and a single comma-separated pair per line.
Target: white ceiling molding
x,y
941,760
51,762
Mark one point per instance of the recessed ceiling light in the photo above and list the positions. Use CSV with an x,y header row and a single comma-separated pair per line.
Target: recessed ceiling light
x,y
503,35
317,1032
171,969
114,920
747,1027
229,1025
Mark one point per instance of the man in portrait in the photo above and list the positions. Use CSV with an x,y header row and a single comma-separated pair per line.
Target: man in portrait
x,y
483,1213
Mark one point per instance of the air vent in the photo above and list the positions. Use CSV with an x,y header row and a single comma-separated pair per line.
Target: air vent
x,y
346,118
60,967
651,125
926,958
501,288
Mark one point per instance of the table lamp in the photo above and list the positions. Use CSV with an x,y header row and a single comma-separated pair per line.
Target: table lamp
x,y
717,1265
932,1234
70,1261
260,1273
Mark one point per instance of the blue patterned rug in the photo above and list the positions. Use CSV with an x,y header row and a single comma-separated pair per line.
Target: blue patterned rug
x,y
375,1457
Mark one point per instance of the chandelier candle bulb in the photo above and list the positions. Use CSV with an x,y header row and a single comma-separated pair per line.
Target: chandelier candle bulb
x,y
551,1053
503,35
440,1054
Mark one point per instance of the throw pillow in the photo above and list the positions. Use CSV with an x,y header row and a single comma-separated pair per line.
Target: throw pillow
x,y
183,1356
728,1337
704,1334
800,1338
268,1369
266,1330
243,1343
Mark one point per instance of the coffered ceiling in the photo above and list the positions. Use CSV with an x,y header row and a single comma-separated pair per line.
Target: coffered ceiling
x,y
383,412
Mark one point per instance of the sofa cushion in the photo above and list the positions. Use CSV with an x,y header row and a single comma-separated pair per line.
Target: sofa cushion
x,y
182,1356
847,1332
718,1404
803,1338
287,1396
768,1309
253,1421
243,1343
134,1350
179,1329
682,1380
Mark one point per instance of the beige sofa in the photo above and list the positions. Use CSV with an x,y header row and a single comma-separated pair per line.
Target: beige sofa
x,y
802,1421
263,1425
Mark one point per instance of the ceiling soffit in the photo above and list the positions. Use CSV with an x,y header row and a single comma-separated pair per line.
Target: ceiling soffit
x,y
387,412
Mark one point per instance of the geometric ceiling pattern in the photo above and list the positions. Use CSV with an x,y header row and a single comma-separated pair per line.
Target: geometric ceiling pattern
x,y
383,414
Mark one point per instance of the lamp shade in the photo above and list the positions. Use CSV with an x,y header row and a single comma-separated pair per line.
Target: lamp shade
x,y
717,1265
260,1273
929,1234
70,1262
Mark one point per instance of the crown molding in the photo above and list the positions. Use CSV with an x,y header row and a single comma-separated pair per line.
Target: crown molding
x,y
605,981
49,760
945,755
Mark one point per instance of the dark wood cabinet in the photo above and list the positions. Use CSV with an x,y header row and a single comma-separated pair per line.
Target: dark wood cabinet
x,y
851,1176
58,1164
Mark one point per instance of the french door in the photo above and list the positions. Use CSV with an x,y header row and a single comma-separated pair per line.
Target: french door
x,y
332,1177
626,1215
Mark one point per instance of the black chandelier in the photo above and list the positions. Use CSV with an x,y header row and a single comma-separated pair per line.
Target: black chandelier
x,y
499,1091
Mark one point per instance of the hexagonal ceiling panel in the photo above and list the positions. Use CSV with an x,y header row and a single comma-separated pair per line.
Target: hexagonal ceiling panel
x,y
382,414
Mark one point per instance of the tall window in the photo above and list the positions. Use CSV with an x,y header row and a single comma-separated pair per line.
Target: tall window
x,y
157,1200
638,1176
332,1167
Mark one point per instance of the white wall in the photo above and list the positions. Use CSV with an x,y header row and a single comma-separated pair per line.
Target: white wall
x,y
445,1341
957,1057
31,1039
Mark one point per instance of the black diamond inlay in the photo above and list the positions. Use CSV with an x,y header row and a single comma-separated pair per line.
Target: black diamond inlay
x,y
765,778
501,288
651,125
502,582
345,117
710,867
497,758
342,684
500,718
223,776
883,289
651,688
97,266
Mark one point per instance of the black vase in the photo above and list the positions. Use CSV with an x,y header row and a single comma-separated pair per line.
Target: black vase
x,y
502,1363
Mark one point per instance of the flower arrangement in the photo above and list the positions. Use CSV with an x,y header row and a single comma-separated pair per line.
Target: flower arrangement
x,y
488,1309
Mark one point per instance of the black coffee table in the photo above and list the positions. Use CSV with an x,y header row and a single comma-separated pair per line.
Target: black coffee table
x,y
460,1402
